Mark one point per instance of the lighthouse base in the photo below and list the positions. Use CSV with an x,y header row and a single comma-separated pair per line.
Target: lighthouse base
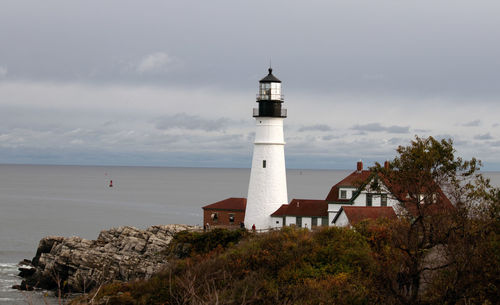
x,y
267,189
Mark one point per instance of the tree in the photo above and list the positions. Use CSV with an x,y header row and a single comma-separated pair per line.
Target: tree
x,y
443,204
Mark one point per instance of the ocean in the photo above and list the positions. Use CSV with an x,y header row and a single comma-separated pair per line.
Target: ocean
x,y
41,200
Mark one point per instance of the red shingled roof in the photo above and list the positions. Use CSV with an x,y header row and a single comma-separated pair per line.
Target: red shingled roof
x,y
233,204
281,211
355,179
303,207
438,203
441,204
357,214
358,178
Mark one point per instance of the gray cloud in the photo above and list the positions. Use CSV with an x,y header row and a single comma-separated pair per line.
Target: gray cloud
x,y
60,88
377,127
251,136
355,61
317,127
3,71
474,123
329,137
422,130
445,136
396,141
154,62
191,122
126,120
486,136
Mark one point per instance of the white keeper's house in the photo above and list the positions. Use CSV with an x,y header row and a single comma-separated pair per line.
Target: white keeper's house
x,y
348,202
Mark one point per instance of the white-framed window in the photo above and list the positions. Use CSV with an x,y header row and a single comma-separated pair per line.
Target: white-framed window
x,y
343,194
383,200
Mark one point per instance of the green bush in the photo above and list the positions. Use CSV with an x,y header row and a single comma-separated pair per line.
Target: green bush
x,y
288,266
187,243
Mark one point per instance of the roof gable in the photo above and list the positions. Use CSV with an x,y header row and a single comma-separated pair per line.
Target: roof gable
x,y
233,204
356,179
357,214
303,207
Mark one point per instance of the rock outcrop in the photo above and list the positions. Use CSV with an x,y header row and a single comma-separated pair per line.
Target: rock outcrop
x,y
76,264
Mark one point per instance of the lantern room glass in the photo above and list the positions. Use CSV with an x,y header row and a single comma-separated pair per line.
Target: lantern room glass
x,y
270,91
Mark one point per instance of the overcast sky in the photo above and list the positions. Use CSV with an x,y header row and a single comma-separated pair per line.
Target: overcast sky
x,y
173,83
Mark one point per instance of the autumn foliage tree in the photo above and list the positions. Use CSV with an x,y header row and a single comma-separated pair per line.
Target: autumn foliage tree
x,y
448,224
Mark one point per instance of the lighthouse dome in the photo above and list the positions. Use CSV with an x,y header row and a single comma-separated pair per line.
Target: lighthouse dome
x,y
270,78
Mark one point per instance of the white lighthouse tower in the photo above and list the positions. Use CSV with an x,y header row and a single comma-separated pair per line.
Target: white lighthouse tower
x,y
267,188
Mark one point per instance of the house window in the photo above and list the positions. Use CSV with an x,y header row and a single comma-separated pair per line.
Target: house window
x,y
264,163
214,217
383,200
231,218
314,222
299,222
324,221
343,194
369,200
284,221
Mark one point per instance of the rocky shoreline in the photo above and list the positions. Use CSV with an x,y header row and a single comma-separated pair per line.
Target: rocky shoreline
x,y
75,264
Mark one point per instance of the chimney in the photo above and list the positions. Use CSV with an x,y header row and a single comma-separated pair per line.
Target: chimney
x,y
359,166
386,165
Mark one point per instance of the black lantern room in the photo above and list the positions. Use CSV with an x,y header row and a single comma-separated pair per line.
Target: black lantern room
x,y
270,98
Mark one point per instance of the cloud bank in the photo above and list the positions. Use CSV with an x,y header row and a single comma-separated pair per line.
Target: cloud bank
x,y
155,62
377,127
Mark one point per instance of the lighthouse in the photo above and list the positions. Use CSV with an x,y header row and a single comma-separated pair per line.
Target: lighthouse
x,y
267,188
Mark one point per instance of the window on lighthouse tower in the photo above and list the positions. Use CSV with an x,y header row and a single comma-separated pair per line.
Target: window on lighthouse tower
x,y
264,163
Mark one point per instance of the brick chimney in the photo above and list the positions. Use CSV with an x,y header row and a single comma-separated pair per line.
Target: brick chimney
x,y
359,167
386,164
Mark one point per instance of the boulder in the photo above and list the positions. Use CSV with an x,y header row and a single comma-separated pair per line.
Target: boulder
x,y
75,264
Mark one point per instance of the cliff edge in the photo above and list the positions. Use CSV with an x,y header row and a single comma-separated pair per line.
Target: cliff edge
x,y
76,264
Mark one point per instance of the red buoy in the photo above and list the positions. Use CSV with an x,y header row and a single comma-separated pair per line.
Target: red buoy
x,y
110,183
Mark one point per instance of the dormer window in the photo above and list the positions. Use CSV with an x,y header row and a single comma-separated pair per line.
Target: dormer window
x,y
343,194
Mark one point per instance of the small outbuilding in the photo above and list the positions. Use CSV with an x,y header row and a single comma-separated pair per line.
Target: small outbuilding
x,y
229,212
303,213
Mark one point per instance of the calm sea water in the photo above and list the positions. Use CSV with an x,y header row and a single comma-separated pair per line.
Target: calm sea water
x,y
37,200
